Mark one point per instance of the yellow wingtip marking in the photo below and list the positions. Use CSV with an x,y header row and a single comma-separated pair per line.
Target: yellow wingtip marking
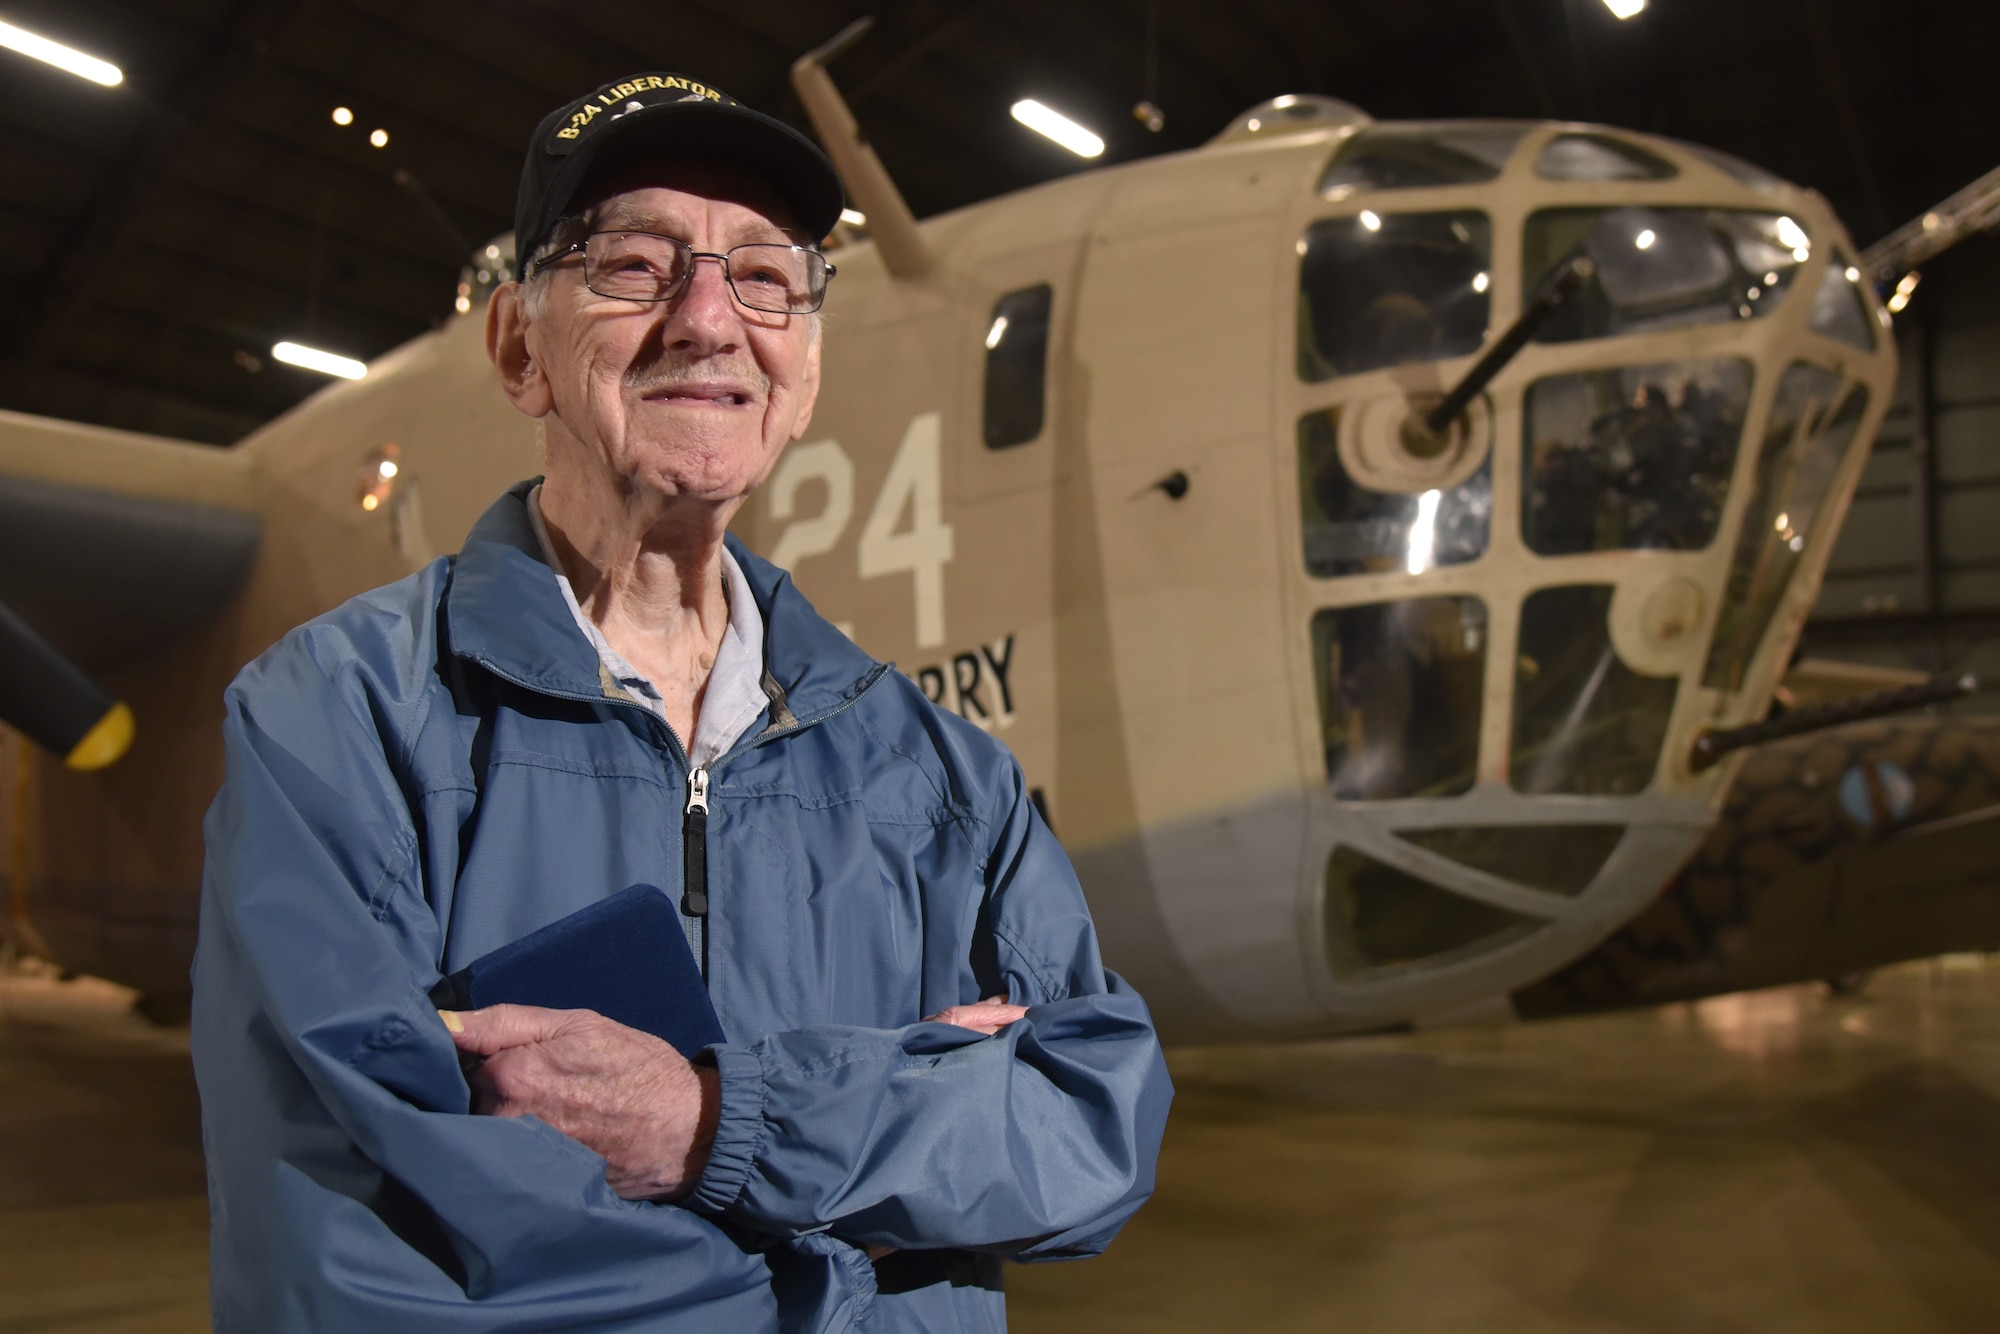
x,y
104,743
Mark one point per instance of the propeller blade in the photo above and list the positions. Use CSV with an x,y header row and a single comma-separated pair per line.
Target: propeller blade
x,y
53,702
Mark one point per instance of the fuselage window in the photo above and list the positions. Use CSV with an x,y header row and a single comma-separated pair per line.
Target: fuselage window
x,y
1349,529
1663,268
1631,458
1017,356
1381,289
1400,687
1413,158
1814,418
1584,722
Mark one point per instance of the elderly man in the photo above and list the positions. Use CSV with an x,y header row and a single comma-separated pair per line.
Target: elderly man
x,y
926,1066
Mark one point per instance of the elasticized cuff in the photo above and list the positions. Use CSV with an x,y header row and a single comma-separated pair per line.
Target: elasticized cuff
x,y
739,1134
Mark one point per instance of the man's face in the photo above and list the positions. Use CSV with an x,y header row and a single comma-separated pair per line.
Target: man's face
x,y
692,397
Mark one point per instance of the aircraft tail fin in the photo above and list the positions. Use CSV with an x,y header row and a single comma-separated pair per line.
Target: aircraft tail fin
x,y
869,185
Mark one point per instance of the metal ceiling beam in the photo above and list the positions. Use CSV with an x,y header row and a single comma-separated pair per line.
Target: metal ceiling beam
x,y
129,188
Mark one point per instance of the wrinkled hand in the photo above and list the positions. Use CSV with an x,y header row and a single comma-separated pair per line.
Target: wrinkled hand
x,y
617,1091
624,1094
988,1016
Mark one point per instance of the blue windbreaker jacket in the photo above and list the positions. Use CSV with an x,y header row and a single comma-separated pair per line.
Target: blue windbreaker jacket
x,y
434,770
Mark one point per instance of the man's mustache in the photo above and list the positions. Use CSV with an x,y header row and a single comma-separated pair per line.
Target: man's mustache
x,y
664,377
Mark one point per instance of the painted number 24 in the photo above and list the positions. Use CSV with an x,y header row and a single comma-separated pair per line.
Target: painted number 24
x,y
913,488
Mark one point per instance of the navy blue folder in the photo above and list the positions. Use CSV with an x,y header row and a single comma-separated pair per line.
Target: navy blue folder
x,y
625,957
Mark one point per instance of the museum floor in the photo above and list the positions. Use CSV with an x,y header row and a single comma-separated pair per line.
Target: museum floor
x,y
1781,1161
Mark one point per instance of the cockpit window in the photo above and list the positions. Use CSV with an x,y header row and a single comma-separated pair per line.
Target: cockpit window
x,y
1400,686
1599,157
1636,457
1017,354
1381,289
1663,268
1410,158
1584,722
1838,310
1812,425
1349,529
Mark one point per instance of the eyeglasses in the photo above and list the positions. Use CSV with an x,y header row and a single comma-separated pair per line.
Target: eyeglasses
x,y
644,266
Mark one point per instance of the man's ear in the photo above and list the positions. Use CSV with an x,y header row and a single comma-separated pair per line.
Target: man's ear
x,y
808,390
521,375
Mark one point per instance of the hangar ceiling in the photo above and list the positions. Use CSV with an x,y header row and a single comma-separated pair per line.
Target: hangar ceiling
x,y
157,238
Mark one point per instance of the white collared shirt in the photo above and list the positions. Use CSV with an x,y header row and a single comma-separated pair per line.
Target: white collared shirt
x,y
735,693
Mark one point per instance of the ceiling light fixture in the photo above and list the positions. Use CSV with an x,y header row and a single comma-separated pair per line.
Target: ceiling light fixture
x,y
1054,125
1625,9
62,57
379,138
342,116
854,217
313,359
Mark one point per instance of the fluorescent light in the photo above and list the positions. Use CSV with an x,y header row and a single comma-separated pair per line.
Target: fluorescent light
x,y
1625,9
326,363
1054,125
1371,220
1423,533
62,57
854,217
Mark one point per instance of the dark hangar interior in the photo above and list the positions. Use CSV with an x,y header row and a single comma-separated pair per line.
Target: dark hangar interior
x,y
1828,1154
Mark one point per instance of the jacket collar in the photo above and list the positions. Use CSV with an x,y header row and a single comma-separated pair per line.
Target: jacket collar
x,y
504,611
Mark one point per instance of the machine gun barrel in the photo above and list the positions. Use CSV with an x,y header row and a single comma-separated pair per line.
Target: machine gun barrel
x,y
1560,286
1711,746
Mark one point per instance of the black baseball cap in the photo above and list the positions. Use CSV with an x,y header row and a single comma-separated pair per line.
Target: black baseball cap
x,y
658,116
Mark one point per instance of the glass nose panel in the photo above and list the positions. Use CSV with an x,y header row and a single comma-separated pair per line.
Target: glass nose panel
x,y
1663,268
1562,859
1381,289
1584,722
1599,157
1349,529
1635,457
1812,425
1838,310
1399,687
1392,158
1378,916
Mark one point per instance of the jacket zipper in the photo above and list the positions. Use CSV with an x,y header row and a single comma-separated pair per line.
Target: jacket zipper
x,y
694,846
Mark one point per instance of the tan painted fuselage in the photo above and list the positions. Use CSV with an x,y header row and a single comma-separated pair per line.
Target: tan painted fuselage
x,y
1150,657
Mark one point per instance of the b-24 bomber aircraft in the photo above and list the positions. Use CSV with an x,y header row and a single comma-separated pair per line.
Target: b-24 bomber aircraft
x,y
1362,533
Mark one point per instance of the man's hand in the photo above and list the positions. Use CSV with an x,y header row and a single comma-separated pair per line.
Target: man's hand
x,y
988,1016
617,1091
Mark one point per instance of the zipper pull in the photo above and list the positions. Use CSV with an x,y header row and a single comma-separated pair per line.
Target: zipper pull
x,y
694,847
